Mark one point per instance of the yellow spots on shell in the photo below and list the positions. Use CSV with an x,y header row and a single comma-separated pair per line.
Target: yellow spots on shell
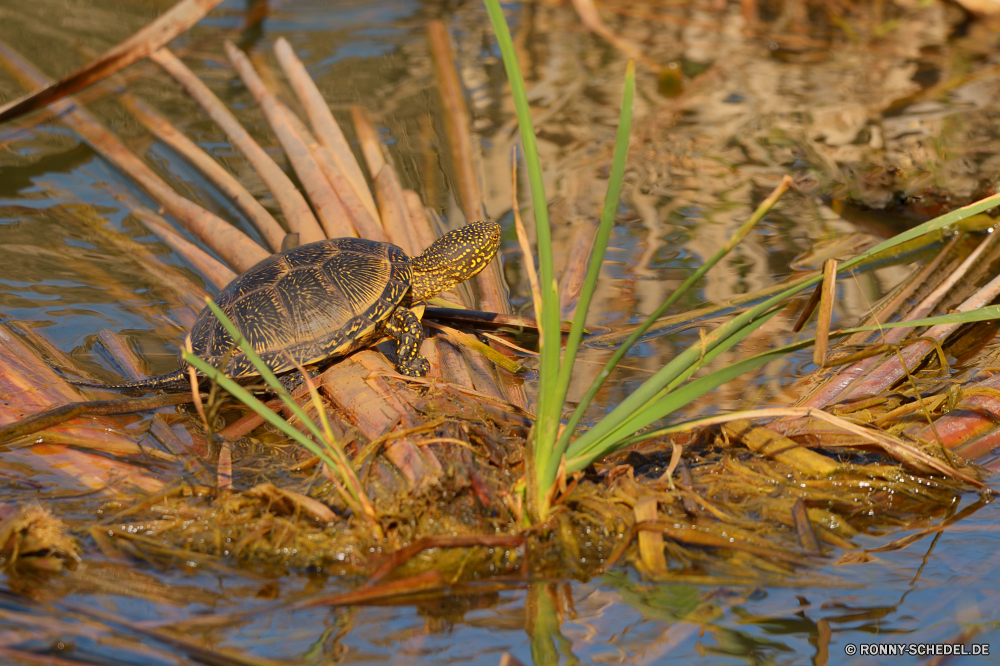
x,y
327,298
360,278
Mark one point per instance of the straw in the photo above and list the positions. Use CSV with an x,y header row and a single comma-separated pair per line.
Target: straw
x,y
324,125
331,212
297,212
231,244
226,183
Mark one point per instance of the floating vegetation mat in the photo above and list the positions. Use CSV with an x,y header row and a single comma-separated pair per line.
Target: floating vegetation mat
x,y
130,497
737,502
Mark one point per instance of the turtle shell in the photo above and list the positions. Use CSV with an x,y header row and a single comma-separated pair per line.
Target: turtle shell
x,y
314,301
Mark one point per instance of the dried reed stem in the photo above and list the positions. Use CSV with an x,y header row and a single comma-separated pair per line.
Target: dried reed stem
x,y
216,273
173,22
456,121
331,211
297,213
844,383
230,243
324,125
892,370
226,183
492,292
371,147
395,212
364,224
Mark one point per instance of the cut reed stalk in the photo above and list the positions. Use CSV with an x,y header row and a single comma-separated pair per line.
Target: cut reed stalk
x,y
216,273
423,230
133,368
86,471
636,410
456,121
364,224
367,225
230,243
918,278
892,370
833,389
371,147
172,23
298,215
650,541
970,426
325,126
492,292
393,210
331,211
828,294
212,170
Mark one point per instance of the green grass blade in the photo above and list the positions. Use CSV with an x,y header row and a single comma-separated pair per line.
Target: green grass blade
x,y
647,392
941,222
664,404
674,401
693,279
257,406
635,421
342,467
683,360
680,363
596,261
897,254
985,313
265,372
265,412
677,367
548,412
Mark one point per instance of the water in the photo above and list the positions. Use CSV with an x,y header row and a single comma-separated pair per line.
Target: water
x,y
896,110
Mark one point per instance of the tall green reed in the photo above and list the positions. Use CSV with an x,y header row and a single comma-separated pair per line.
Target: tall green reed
x,y
554,374
671,387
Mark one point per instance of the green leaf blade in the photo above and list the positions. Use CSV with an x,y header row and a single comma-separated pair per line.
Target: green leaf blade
x,y
608,213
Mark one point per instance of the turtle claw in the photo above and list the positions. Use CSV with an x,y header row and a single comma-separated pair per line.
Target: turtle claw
x,y
416,367
404,326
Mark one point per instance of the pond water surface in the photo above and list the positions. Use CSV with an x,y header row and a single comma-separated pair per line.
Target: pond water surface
x,y
892,108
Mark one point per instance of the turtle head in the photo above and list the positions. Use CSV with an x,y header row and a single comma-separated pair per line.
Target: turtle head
x,y
454,258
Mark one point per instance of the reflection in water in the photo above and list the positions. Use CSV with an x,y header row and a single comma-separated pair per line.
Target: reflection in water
x,y
876,112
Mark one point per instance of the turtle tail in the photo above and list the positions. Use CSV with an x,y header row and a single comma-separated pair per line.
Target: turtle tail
x,y
178,379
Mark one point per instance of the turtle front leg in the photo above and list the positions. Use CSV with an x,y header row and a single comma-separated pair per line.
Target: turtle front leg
x,y
404,326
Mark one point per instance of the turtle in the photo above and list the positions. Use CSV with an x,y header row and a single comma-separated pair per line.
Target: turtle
x,y
328,298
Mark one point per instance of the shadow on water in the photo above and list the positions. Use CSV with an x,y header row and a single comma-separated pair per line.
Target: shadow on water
x,y
886,114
